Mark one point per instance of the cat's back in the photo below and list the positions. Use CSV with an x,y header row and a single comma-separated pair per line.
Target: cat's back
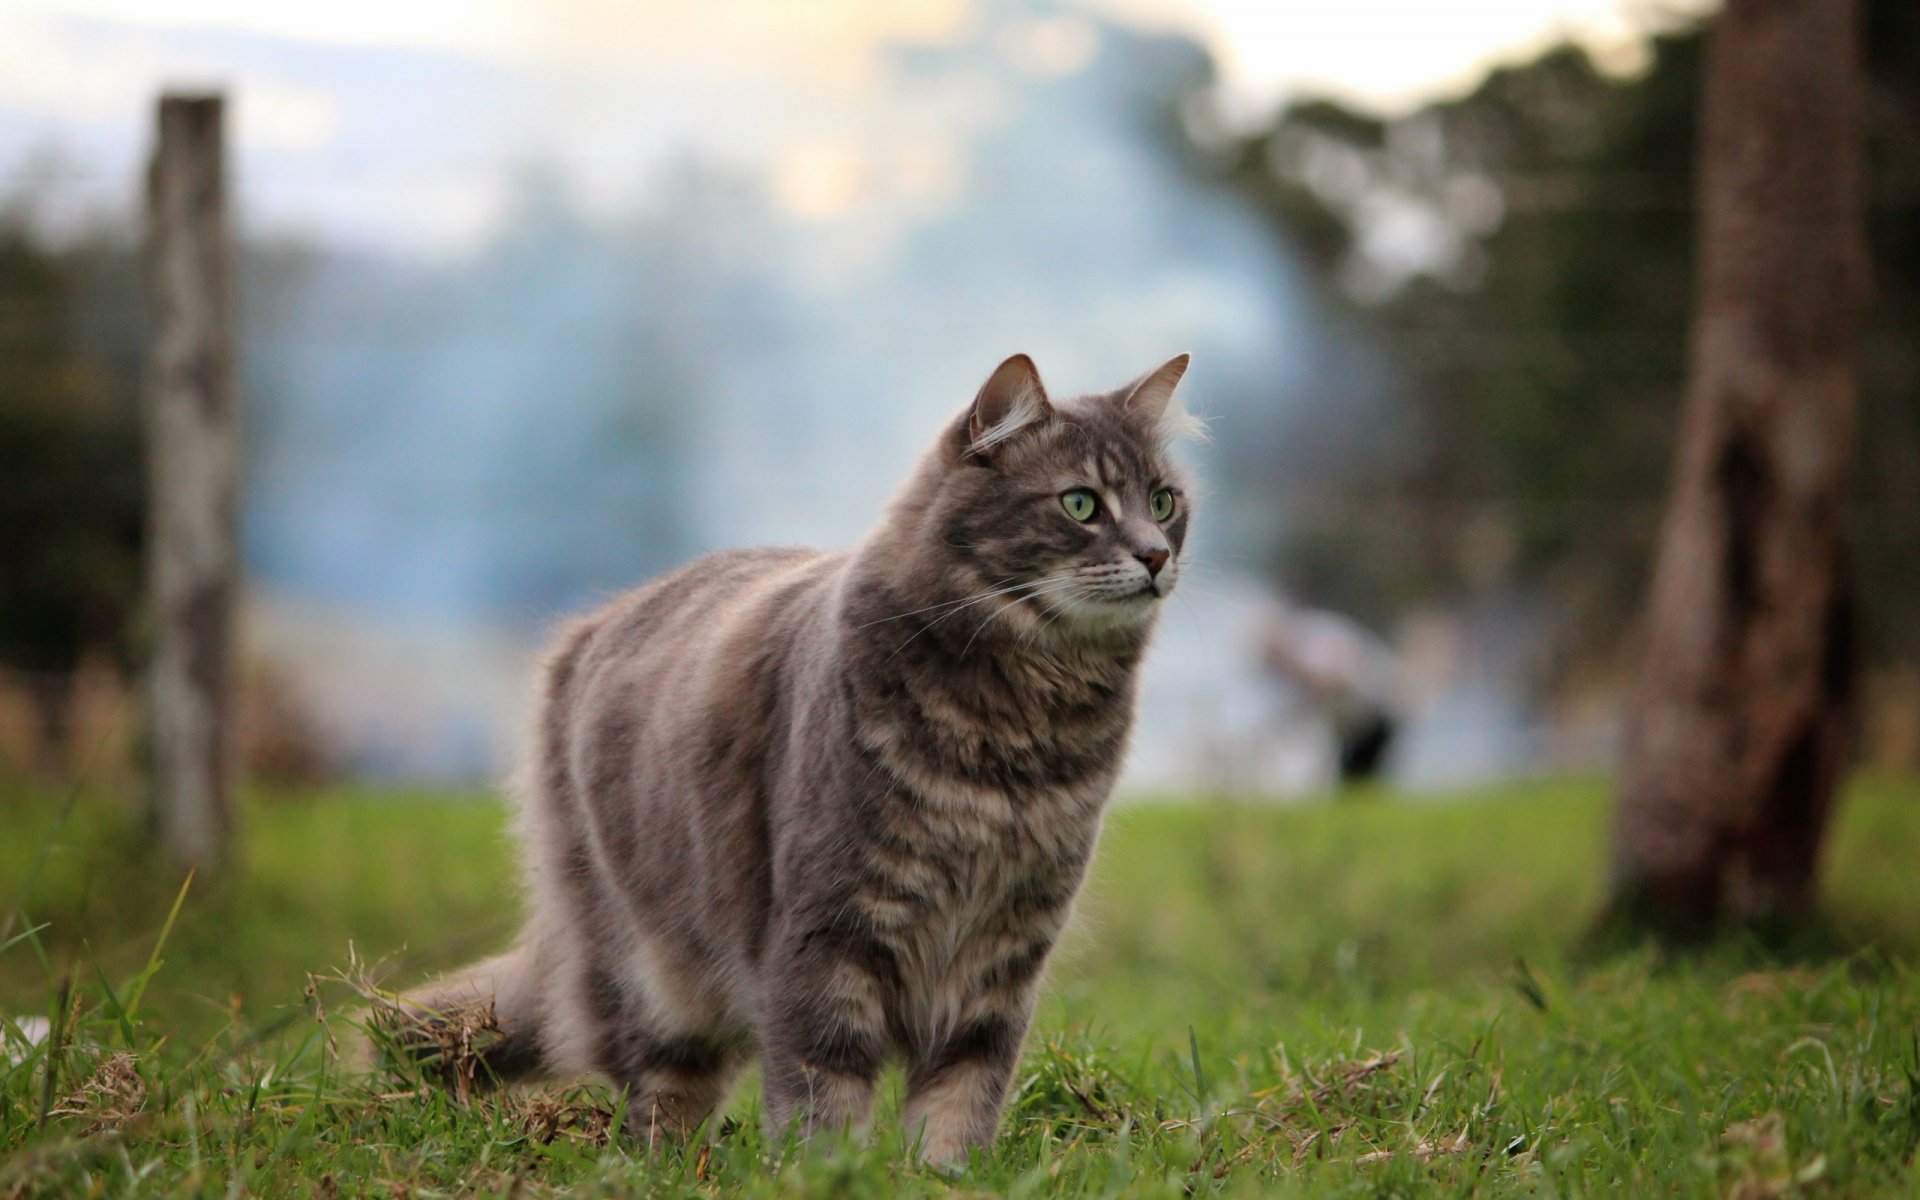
x,y
699,648
692,614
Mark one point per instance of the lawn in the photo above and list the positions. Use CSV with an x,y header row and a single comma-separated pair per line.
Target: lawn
x,y
1376,998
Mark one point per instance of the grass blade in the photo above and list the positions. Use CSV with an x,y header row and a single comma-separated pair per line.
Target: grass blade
x,y
153,959
1199,1076
56,1043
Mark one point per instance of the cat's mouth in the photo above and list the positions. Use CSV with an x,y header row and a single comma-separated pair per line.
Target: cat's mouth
x,y
1146,593
1154,587
1111,596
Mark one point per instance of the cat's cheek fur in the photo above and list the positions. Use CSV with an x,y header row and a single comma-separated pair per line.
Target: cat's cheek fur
x,y
832,809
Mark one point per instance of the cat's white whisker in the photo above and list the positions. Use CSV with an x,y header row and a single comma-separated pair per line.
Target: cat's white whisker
x,y
1065,585
969,603
999,589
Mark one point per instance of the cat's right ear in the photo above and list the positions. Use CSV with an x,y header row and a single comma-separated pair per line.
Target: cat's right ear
x,y
1012,399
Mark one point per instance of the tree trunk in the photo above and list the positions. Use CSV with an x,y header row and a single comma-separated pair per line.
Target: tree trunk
x,y
1740,732
193,458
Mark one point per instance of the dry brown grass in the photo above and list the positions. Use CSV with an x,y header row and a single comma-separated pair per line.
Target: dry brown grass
x,y
111,1096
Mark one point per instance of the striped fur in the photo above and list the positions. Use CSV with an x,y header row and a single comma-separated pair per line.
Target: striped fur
x,y
832,808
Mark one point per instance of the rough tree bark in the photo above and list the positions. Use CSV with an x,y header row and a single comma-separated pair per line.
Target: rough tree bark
x,y
1741,727
193,457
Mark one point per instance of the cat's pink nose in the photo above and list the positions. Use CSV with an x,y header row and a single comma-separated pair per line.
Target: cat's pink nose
x,y
1154,559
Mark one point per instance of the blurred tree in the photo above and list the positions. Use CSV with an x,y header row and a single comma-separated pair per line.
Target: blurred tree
x,y
1523,257
70,482
1743,711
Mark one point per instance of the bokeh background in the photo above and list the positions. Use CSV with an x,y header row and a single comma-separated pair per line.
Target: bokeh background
x,y
539,299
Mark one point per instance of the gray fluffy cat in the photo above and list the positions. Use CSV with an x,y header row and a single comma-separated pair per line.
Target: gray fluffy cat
x,y
832,807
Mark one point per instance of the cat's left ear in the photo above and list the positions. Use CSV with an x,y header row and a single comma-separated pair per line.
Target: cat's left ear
x,y
1152,393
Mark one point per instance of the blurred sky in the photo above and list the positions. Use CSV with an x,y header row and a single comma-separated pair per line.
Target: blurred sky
x,y
592,286
427,96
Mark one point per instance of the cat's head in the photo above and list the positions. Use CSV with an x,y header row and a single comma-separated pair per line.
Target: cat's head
x,y
1073,507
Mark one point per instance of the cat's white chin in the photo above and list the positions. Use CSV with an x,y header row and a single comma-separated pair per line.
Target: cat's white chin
x,y
1106,612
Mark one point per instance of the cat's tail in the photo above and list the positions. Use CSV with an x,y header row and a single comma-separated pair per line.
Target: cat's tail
x,y
473,1029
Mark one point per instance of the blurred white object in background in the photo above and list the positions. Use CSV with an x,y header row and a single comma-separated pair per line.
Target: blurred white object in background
x,y
1346,674
19,1036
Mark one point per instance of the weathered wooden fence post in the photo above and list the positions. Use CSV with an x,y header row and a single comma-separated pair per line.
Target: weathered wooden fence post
x,y
193,461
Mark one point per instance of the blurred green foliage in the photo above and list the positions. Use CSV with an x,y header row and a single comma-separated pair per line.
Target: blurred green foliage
x,y
72,496
1539,331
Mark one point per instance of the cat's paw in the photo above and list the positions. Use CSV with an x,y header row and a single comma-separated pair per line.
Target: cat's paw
x,y
951,1161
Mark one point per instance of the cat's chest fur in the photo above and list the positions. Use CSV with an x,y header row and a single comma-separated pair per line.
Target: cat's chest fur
x,y
987,886
1010,748
971,871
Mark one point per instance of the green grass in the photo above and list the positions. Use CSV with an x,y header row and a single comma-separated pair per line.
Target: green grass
x,y
1360,999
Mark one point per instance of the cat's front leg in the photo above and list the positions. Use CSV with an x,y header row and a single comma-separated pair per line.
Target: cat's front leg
x,y
824,1040
956,1087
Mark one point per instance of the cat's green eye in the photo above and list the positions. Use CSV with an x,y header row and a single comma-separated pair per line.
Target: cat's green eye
x,y
1162,502
1080,504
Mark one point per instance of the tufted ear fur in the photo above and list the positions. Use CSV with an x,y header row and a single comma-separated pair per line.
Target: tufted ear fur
x,y
1153,392
1153,395
1012,399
